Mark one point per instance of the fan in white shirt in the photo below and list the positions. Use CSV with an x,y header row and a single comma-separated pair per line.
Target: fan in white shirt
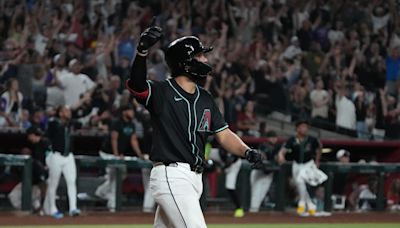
x,y
345,110
75,84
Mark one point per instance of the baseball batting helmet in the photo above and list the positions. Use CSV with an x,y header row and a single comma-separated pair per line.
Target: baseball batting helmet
x,y
180,57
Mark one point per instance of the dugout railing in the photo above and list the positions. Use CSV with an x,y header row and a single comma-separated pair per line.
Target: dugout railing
x,y
281,174
25,162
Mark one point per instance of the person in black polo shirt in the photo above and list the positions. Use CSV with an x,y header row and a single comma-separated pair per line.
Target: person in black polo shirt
x,y
120,141
305,152
61,161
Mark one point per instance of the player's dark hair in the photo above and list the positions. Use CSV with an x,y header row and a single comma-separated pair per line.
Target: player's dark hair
x,y
58,110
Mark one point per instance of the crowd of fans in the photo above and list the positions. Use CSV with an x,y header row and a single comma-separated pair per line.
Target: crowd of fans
x,y
334,62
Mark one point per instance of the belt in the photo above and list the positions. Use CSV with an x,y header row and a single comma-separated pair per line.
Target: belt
x,y
194,168
62,154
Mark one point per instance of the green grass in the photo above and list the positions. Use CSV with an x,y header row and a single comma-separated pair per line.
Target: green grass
x,y
314,225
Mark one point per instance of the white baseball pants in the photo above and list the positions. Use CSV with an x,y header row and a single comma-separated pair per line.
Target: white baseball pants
x,y
107,190
148,200
231,172
177,191
260,184
58,165
305,199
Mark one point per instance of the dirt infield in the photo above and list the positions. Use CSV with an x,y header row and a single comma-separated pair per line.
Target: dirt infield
x,y
212,218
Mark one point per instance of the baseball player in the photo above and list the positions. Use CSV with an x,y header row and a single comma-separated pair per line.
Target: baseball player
x,y
260,179
61,161
122,137
41,147
183,115
305,151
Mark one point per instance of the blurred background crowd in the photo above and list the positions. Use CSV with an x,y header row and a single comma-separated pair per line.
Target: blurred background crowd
x,y
334,62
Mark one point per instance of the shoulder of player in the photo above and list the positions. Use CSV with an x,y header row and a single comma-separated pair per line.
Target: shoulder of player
x,y
313,139
157,84
54,120
291,139
45,141
205,93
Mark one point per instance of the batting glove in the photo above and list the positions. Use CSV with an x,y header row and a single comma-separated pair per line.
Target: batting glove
x,y
252,156
148,38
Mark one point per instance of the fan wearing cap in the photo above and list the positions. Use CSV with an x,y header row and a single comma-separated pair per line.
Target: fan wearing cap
x,y
341,179
40,146
75,84
305,151
119,142
343,156
59,70
183,116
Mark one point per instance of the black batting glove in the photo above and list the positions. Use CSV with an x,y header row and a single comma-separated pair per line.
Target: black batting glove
x,y
252,156
148,38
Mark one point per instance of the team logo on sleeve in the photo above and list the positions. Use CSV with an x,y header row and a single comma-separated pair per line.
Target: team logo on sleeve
x,y
205,121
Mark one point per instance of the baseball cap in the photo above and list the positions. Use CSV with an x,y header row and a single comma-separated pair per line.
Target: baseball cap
x,y
56,58
72,62
341,153
301,121
294,39
34,130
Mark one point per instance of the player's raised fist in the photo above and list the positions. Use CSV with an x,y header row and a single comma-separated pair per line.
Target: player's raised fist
x,y
148,38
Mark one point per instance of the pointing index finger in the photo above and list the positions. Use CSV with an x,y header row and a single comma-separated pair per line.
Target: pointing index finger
x,y
153,21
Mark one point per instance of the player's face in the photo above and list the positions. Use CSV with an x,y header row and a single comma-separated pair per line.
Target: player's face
x,y
344,159
273,140
129,114
201,58
65,113
33,138
302,129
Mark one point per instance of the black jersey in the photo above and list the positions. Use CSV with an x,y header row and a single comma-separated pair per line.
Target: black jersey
x,y
302,151
181,122
59,134
125,131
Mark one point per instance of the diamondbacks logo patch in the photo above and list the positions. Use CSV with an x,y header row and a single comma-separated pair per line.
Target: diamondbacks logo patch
x,y
205,121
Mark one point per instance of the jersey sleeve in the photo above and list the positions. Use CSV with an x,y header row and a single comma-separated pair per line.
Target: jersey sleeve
x,y
151,97
317,143
142,97
47,145
289,143
218,122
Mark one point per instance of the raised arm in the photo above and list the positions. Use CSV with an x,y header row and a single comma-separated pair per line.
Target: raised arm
x,y
137,81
